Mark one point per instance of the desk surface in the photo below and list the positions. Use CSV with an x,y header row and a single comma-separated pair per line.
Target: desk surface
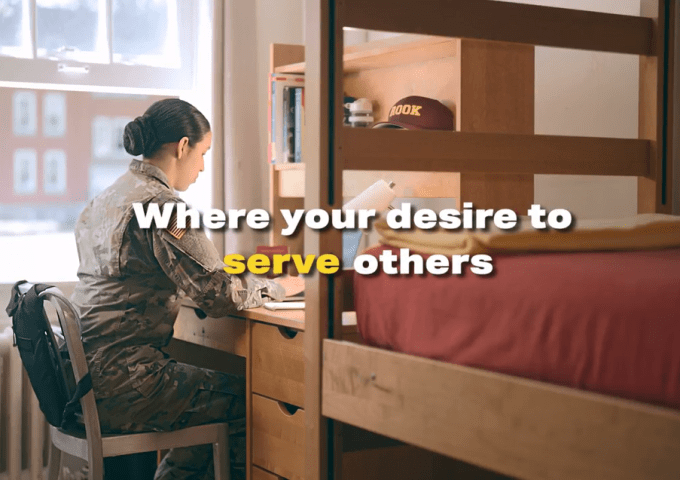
x,y
228,333
293,318
283,318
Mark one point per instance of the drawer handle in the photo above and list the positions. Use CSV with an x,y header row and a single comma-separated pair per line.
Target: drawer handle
x,y
200,313
288,409
287,332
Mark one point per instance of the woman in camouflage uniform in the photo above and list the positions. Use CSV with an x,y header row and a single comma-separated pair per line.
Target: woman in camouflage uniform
x,y
130,285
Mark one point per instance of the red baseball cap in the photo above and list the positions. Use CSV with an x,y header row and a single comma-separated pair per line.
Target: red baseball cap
x,y
418,113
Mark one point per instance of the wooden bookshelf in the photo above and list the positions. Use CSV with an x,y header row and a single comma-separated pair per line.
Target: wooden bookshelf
x,y
400,50
489,86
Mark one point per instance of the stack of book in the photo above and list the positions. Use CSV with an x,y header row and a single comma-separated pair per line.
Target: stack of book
x,y
286,117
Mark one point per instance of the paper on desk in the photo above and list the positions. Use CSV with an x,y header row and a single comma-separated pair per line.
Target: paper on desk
x,y
284,305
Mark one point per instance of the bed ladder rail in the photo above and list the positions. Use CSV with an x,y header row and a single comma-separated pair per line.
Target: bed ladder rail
x,y
522,428
398,150
506,22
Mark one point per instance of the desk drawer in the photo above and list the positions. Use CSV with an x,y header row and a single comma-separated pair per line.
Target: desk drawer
x,y
227,334
278,438
278,363
259,474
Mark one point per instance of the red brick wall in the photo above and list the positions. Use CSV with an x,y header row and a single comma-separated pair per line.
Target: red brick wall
x,y
81,109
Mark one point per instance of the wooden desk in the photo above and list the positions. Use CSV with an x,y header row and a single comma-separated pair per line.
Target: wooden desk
x,y
228,334
272,344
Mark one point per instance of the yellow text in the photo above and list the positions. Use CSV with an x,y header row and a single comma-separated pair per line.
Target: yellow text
x,y
260,264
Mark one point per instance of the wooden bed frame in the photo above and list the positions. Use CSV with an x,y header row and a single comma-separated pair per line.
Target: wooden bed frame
x,y
514,426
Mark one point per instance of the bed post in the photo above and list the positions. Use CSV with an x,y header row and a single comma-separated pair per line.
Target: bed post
x,y
497,89
676,114
323,190
656,110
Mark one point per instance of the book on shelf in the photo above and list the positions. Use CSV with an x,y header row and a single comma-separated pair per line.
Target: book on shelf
x,y
299,123
289,124
285,117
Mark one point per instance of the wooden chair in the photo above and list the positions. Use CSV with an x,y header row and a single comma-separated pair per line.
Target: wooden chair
x,y
92,446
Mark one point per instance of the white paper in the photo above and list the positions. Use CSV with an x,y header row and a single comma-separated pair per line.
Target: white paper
x,y
25,171
24,114
284,305
54,115
54,172
378,196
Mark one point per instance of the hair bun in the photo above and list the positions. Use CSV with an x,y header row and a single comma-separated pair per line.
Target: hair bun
x,y
133,137
139,136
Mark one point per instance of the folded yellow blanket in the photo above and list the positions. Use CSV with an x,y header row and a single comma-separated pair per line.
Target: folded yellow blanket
x,y
640,232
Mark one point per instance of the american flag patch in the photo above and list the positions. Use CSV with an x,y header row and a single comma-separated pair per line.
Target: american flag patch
x,y
173,229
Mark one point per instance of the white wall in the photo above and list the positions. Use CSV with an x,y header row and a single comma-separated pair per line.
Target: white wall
x,y
584,93
251,26
580,93
577,93
199,195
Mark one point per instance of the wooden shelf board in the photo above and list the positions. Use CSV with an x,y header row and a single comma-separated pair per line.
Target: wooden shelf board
x,y
408,184
289,166
506,22
386,150
403,49
439,151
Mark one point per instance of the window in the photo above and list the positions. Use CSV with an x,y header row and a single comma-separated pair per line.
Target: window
x,y
54,173
71,29
104,43
25,171
73,153
64,142
24,116
15,38
156,44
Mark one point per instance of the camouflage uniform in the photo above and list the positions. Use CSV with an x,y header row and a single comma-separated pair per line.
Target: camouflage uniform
x,y
128,296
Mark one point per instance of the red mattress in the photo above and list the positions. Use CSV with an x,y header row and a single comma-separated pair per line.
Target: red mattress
x,y
607,322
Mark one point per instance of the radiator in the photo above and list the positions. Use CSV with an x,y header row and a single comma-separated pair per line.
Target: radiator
x,y
23,429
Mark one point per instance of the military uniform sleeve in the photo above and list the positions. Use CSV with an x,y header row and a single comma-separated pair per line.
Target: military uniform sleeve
x,y
191,261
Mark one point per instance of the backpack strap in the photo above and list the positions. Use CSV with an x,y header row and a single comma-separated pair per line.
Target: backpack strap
x,y
32,304
15,299
82,389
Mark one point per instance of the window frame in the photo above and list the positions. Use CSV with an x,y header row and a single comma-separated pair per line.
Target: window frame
x,y
206,76
109,75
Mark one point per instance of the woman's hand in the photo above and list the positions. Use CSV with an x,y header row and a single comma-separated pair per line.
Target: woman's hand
x,y
293,285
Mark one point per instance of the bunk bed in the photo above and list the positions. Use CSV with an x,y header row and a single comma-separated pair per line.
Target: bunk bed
x,y
516,426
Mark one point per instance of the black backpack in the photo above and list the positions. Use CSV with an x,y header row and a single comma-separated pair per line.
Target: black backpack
x,y
44,360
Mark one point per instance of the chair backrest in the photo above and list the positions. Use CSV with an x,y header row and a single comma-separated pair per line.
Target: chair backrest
x,y
70,325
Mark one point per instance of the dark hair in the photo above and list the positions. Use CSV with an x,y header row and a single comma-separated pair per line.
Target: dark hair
x,y
165,121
